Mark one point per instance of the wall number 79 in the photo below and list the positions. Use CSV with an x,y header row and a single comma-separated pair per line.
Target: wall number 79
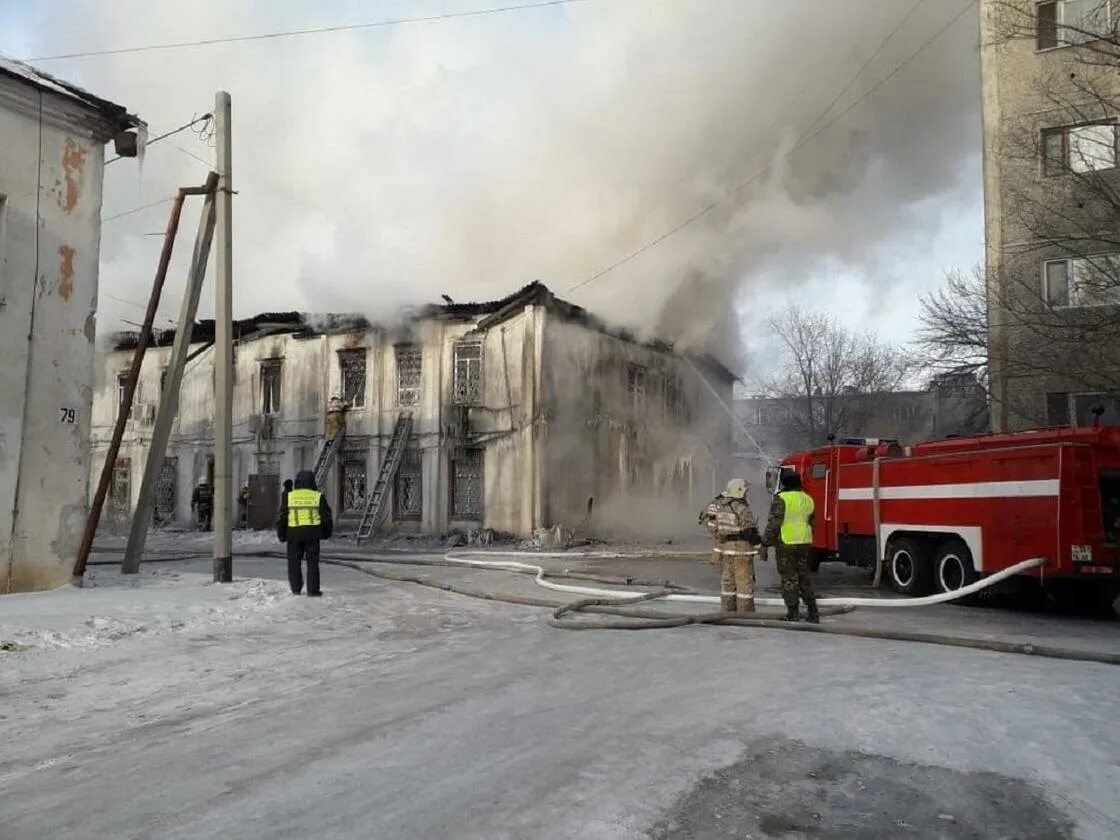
x,y
68,415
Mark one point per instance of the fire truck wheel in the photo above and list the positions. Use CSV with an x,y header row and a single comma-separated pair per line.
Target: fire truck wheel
x,y
954,566
908,567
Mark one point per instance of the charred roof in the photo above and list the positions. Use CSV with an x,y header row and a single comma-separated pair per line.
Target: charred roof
x,y
113,113
487,313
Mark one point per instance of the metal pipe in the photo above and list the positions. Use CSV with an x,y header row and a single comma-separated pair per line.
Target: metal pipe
x,y
125,408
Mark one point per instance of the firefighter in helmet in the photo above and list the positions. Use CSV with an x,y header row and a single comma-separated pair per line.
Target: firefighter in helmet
x,y
790,530
734,527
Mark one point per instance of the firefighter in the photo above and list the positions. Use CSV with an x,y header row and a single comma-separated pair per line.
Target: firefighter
x,y
305,519
336,418
734,527
202,503
790,530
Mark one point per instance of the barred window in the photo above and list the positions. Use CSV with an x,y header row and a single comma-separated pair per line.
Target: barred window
x,y
468,372
636,385
408,374
409,488
672,399
353,480
352,364
466,485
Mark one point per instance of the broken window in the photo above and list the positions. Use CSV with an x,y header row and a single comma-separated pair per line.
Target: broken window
x,y
122,390
352,364
270,386
466,485
409,487
468,372
352,478
408,374
636,386
672,399
120,493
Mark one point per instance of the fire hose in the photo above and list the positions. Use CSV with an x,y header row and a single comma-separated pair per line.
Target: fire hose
x,y
619,603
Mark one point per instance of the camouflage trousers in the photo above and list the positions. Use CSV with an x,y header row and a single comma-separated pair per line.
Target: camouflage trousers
x,y
736,581
797,579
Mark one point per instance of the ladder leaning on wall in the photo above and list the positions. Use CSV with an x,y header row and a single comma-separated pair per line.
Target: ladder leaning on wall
x,y
326,457
377,505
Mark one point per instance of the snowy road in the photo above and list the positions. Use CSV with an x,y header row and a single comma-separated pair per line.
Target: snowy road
x,y
183,710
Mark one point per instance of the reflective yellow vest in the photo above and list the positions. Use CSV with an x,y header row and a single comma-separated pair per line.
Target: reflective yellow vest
x,y
303,508
796,529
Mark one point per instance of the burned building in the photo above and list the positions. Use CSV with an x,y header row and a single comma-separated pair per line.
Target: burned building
x,y
51,170
510,415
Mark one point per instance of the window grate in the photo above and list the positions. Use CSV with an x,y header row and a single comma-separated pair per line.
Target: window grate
x,y
408,492
409,370
467,485
353,479
468,372
352,366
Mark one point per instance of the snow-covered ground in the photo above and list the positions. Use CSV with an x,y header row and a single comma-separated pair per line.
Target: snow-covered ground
x,y
167,706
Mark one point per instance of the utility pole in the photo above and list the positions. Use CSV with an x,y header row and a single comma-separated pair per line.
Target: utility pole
x,y
169,399
223,346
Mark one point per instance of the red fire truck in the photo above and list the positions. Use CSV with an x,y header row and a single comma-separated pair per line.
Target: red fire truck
x,y
944,513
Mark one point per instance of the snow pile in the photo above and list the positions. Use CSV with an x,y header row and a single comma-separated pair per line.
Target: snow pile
x,y
111,607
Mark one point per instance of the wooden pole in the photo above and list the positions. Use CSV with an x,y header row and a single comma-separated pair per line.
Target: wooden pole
x,y
169,398
130,385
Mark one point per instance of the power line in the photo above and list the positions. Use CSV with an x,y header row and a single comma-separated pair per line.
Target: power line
x,y
882,46
137,210
291,33
807,138
205,118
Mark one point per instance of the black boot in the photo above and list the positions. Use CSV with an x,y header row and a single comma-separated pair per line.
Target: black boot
x,y
814,617
792,614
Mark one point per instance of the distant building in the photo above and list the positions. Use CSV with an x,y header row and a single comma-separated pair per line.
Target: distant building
x,y
52,137
952,405
523,410
1050,84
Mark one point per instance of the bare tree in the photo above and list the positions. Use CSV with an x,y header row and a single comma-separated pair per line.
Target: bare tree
x,y
829,371
1053,303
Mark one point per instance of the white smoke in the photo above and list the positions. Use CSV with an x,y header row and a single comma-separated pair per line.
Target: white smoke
x,y
385,167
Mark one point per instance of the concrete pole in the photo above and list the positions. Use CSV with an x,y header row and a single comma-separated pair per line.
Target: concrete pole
x,y
169,399
223,347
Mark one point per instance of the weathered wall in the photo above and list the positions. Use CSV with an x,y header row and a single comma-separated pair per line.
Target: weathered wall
x,y
555,421
50,206
1030,217
645,464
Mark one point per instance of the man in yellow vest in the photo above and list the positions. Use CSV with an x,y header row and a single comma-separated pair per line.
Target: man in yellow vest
x,y
305,518
790,530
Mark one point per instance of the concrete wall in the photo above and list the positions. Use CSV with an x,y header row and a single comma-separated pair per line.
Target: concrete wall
x,y
50,207
1030,218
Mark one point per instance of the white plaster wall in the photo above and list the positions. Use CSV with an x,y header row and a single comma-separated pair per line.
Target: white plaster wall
x,y
50,180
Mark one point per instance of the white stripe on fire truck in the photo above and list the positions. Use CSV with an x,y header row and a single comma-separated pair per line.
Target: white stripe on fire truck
x,y
972,490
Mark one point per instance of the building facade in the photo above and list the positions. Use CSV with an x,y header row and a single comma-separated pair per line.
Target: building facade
x,y
1050,82
51,159
523,410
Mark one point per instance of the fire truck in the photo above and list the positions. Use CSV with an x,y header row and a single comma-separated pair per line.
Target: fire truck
x,y
944,513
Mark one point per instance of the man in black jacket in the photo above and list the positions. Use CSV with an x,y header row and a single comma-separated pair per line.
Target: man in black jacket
x,y
305,518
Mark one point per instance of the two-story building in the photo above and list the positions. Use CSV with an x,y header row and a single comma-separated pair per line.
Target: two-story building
x,y
526,411
52,140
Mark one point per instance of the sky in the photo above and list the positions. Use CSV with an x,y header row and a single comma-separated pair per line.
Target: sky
x,y
382,167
